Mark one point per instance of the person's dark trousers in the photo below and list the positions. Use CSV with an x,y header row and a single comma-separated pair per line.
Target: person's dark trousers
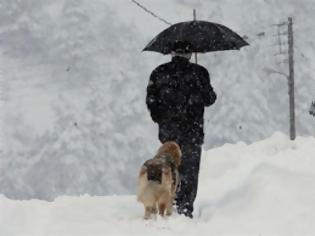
x,y
189,172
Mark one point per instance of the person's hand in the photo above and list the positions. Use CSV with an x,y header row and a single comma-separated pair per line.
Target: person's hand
x,y
213,97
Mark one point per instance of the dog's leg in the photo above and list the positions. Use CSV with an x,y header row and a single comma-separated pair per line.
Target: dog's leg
x,y
154,209
162,202
169,208
147,212
162,207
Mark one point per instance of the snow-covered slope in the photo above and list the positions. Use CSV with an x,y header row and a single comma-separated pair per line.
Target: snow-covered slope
x,y
266,188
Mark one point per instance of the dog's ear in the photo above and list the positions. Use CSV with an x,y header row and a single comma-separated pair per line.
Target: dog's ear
x,y
143,171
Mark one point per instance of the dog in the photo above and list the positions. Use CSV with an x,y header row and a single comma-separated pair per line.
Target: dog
x,y
158,180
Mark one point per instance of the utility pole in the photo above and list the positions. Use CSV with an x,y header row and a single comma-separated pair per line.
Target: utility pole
x,y
312,109
195,18
290,61
291,79
2,98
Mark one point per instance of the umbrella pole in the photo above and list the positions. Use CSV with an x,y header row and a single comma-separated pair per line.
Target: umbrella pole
x,y
195,18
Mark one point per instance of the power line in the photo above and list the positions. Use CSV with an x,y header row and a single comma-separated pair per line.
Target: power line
x,y
306,59
151,13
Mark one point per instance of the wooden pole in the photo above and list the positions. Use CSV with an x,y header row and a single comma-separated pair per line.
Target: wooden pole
x,y
312,109
291,79
195,18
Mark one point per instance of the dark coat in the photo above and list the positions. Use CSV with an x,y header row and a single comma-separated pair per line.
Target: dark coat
x,y
177,93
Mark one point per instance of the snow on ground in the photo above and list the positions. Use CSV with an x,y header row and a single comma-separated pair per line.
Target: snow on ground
x,y
265,188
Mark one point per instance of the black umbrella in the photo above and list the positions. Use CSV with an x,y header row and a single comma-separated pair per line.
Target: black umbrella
x,y
204,36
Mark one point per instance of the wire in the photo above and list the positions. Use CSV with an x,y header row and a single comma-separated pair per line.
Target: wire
x,y
301,53
151,13
307,59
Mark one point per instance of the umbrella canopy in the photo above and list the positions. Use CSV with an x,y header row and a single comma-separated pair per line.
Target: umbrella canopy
x,y
204,36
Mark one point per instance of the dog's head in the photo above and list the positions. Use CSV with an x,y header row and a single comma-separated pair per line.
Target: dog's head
x,y
171,148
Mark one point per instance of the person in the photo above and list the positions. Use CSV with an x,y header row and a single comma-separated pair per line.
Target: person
x,y
177,93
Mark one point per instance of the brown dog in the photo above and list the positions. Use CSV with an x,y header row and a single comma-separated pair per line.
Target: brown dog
x,y
158,180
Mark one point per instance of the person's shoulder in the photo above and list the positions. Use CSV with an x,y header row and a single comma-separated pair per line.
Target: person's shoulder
x,y
199,68
162,67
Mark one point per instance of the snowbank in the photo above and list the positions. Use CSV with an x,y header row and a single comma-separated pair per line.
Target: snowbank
x,y
266,188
